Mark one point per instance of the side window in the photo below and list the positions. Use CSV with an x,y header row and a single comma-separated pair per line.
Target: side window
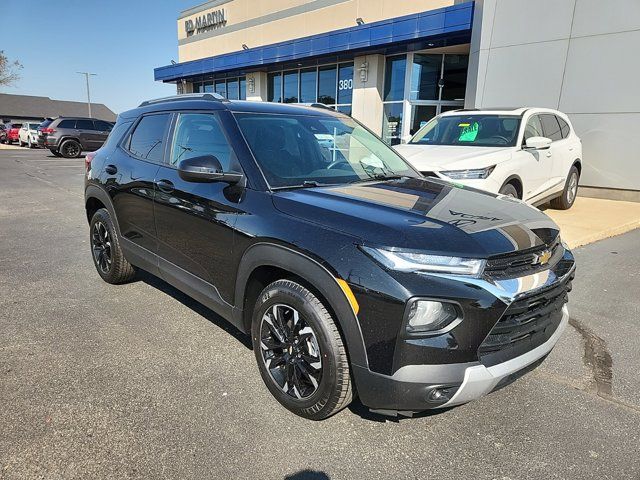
x,y
116,134
533,128
564,127
551,127
67,124
198,134
147,140
103,126
84,125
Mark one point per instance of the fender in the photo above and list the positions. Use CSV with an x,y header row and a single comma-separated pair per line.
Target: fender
x,y
93,191
514,177
270,254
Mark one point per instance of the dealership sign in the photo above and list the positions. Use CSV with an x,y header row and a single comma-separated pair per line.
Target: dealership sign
x,y
206,22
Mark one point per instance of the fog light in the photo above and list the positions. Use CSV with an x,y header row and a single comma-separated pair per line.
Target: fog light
x,y
428,315
439,395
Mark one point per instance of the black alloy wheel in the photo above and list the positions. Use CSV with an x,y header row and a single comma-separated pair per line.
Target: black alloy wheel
x,y
70,149
101,247
290,351
300,352
105,250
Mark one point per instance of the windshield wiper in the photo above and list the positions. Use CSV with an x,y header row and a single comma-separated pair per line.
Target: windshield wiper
x,y
380,176
305,184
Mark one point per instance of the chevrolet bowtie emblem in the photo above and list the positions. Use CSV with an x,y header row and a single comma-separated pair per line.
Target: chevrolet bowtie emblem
x,y
543,258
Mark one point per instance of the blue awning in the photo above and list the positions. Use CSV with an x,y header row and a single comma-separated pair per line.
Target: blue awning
x,y
448,22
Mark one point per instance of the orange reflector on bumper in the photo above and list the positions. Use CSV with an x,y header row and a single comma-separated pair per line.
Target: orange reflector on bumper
x,y
349,294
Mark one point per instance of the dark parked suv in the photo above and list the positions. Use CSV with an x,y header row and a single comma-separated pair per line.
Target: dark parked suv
x,y
70,136
352,273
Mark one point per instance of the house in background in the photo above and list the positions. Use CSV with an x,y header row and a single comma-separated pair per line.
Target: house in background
x,y
20,108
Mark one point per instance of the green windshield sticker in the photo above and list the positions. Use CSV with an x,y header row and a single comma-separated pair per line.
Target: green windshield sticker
x,y
468,133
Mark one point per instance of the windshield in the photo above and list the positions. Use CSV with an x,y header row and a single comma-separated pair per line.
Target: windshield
x,y
306,150
470,130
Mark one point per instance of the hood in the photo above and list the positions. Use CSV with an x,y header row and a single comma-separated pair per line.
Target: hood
x,y
452,157
422,214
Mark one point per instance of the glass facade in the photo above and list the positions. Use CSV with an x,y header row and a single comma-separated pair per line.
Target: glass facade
x,y
231,88
436,83
328,84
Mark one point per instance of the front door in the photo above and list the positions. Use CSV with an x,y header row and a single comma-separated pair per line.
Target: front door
x,y
536,165
195,221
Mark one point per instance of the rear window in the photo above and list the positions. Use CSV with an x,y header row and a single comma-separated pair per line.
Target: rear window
x,y
67,124
147,139
45,124
564,127
103,126
116,134
551,126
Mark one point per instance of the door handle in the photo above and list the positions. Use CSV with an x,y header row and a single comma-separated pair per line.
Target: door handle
x,y
111,169
165,186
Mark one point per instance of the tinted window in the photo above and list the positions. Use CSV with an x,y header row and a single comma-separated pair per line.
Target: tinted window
x,y
147,139
243,88
232,89
291,87
220,88
327,85
394,78
308,85
455,77
274,87
116,134
425,74
67,124
103,126
84,125
45,124
533,128
345,83
472,130
564,127
551,127
198,134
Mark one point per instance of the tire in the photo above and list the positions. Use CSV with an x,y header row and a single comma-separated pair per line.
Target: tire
x,y
55,152
509,190
70,149
570,192
21,143
309,348
105,250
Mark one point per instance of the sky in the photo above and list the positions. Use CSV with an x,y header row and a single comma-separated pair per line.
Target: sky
x,y
121,41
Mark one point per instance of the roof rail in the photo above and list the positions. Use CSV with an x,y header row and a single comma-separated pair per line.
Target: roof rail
x,y
214,97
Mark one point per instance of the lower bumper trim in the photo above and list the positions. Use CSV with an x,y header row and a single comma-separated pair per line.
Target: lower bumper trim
x,y
480,380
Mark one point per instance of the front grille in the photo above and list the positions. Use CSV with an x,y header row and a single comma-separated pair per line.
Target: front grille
x,y
523,262
526,323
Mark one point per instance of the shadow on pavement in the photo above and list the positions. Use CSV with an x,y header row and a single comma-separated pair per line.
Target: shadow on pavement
x,y
308,475
197,307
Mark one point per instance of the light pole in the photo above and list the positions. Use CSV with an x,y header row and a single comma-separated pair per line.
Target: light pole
x,y
86,76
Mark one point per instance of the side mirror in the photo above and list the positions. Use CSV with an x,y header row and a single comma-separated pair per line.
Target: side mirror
x,y
537,143
206,168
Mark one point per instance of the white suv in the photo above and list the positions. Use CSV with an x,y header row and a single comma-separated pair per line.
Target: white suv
x,y
529,153
28,134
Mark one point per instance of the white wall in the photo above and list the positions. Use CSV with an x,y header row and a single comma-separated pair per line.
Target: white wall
x,y
578,56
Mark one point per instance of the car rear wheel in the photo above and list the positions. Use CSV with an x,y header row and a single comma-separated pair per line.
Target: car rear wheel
x,y
70,149
300,353
22,144
509,190
570,192
106,252
55,152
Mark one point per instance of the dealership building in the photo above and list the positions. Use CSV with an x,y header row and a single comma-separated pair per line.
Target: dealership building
x,y
394,64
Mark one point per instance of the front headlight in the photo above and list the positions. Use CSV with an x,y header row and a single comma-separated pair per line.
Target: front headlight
x,y
472,174
406,261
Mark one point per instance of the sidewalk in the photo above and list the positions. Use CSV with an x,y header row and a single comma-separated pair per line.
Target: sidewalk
x,y
592,219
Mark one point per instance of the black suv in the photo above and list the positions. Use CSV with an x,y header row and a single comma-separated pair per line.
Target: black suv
x,y
352,273
70,136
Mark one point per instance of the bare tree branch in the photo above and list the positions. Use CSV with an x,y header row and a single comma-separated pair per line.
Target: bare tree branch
x,y
8,70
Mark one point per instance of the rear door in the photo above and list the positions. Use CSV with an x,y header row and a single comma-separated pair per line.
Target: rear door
x,y
130,175
195,221
559,152
88,134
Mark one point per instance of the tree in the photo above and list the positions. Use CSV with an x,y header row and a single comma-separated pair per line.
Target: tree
x,y
8,70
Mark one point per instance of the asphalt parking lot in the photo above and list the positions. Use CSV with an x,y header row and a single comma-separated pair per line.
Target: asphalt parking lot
x,y
139,381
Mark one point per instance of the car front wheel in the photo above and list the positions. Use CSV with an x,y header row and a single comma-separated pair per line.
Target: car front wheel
x,y
300,353
570,192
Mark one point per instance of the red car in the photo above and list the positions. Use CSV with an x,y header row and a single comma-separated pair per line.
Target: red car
x,y
12,132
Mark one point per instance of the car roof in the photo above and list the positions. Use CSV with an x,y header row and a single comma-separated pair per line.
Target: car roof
x,y
500,111
211,102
